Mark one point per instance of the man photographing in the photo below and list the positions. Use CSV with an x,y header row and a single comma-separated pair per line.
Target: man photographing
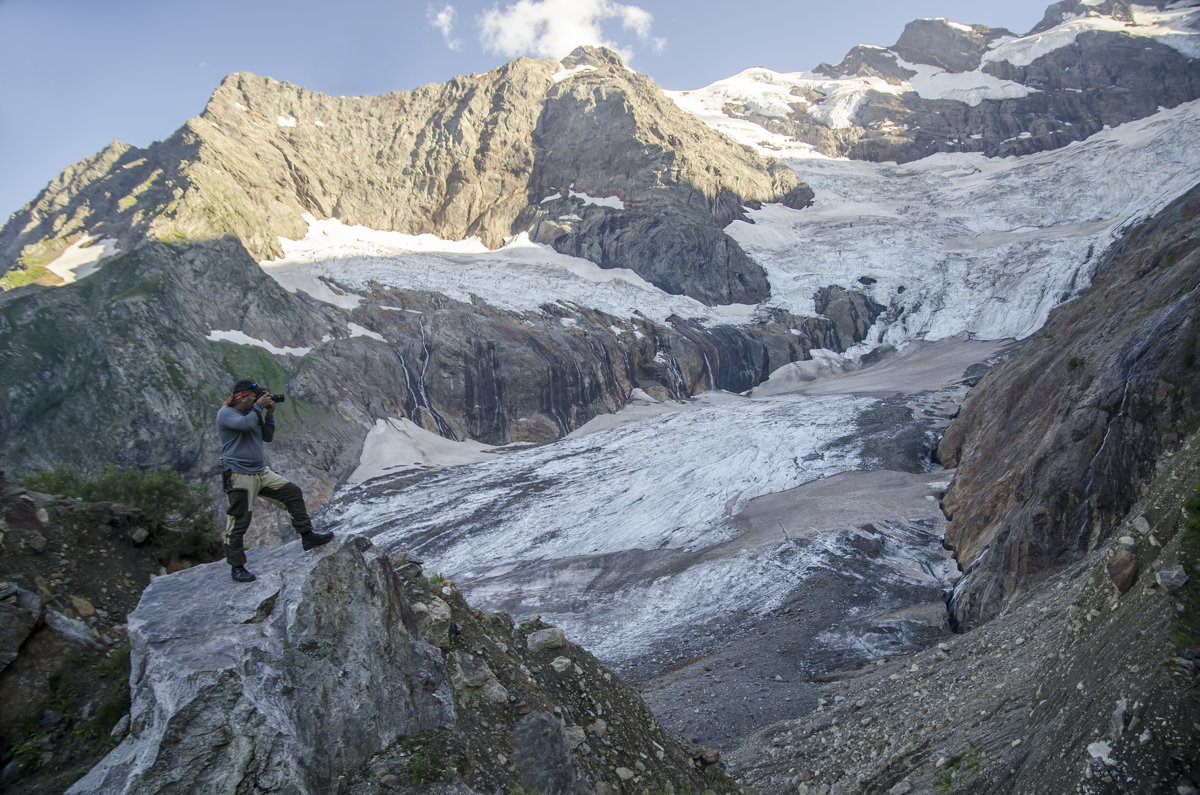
x,y
244,423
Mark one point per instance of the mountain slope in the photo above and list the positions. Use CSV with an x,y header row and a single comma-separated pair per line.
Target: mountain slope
x,y
461,159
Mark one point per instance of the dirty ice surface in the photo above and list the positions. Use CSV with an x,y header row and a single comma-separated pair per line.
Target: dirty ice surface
x,y
655,537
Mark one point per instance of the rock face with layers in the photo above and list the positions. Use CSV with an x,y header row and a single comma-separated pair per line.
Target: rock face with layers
x,y
285,684
1054,446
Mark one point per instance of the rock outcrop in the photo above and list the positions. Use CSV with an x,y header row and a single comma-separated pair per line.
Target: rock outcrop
x,y
316,677
70,571
1054,446
288,683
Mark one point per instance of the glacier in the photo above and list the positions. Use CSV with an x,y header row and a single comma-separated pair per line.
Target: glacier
x,y
670,529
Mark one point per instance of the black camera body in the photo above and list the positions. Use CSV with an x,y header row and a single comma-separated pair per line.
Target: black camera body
x,y
278,398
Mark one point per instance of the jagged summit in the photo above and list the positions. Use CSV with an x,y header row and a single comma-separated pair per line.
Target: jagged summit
x,y
474,157
947,45
949,87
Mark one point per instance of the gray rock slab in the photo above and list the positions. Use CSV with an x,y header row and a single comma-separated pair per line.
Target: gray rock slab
x,y
283,684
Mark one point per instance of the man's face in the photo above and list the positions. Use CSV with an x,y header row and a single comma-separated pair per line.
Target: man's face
x,y
244,403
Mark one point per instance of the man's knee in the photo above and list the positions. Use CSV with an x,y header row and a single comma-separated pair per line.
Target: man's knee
x,y
239,502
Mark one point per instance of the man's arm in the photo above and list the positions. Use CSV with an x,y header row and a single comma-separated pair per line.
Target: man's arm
x,y
236,420
267,406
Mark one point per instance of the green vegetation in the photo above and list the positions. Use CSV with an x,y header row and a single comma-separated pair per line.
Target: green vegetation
x,y
31,265
250,361
26,752
425,750
104,684
19,277
1186,630
162,493
437,578
958,770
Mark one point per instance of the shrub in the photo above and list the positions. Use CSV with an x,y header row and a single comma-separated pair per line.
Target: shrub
x,y
162,493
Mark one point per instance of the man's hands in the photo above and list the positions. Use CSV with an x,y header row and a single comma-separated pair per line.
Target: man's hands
x,y
265,401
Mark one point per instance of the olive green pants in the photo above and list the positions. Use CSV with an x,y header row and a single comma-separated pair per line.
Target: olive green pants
x,y
241,490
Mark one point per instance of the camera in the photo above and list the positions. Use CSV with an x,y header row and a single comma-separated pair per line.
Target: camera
x,y
278,398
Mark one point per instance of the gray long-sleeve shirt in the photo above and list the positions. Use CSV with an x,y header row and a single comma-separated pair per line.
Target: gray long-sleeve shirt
x,y
242,437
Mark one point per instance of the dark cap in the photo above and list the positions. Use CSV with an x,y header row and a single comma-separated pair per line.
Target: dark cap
x,y
245,385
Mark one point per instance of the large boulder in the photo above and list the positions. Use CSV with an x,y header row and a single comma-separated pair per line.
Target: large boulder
x,y
284,684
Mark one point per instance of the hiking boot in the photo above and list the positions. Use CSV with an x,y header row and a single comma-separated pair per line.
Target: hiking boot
x,y
314,540
241,575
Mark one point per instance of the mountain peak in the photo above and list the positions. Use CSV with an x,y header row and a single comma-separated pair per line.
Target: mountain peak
x,y
589,55
949,45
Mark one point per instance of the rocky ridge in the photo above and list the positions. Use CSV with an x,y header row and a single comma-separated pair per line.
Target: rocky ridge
x,y
475,157
948,87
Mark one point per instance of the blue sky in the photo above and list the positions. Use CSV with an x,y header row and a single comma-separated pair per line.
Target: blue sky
x,y
76,74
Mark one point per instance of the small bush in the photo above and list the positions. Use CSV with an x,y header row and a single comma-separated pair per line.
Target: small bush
x,y
424,751
162,493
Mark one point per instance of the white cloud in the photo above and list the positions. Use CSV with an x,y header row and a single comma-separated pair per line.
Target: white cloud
x,y
443,22
552,28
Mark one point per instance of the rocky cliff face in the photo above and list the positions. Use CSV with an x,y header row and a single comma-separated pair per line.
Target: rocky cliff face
x,y
947,87
1054,446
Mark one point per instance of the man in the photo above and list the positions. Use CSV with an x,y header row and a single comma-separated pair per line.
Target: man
x,y
246,421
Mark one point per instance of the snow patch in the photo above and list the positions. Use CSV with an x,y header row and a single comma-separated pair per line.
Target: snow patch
x,y
82,258
395,445
563,73
242,338
338,264
605,201
970,88
1169,26
285,121
358,331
